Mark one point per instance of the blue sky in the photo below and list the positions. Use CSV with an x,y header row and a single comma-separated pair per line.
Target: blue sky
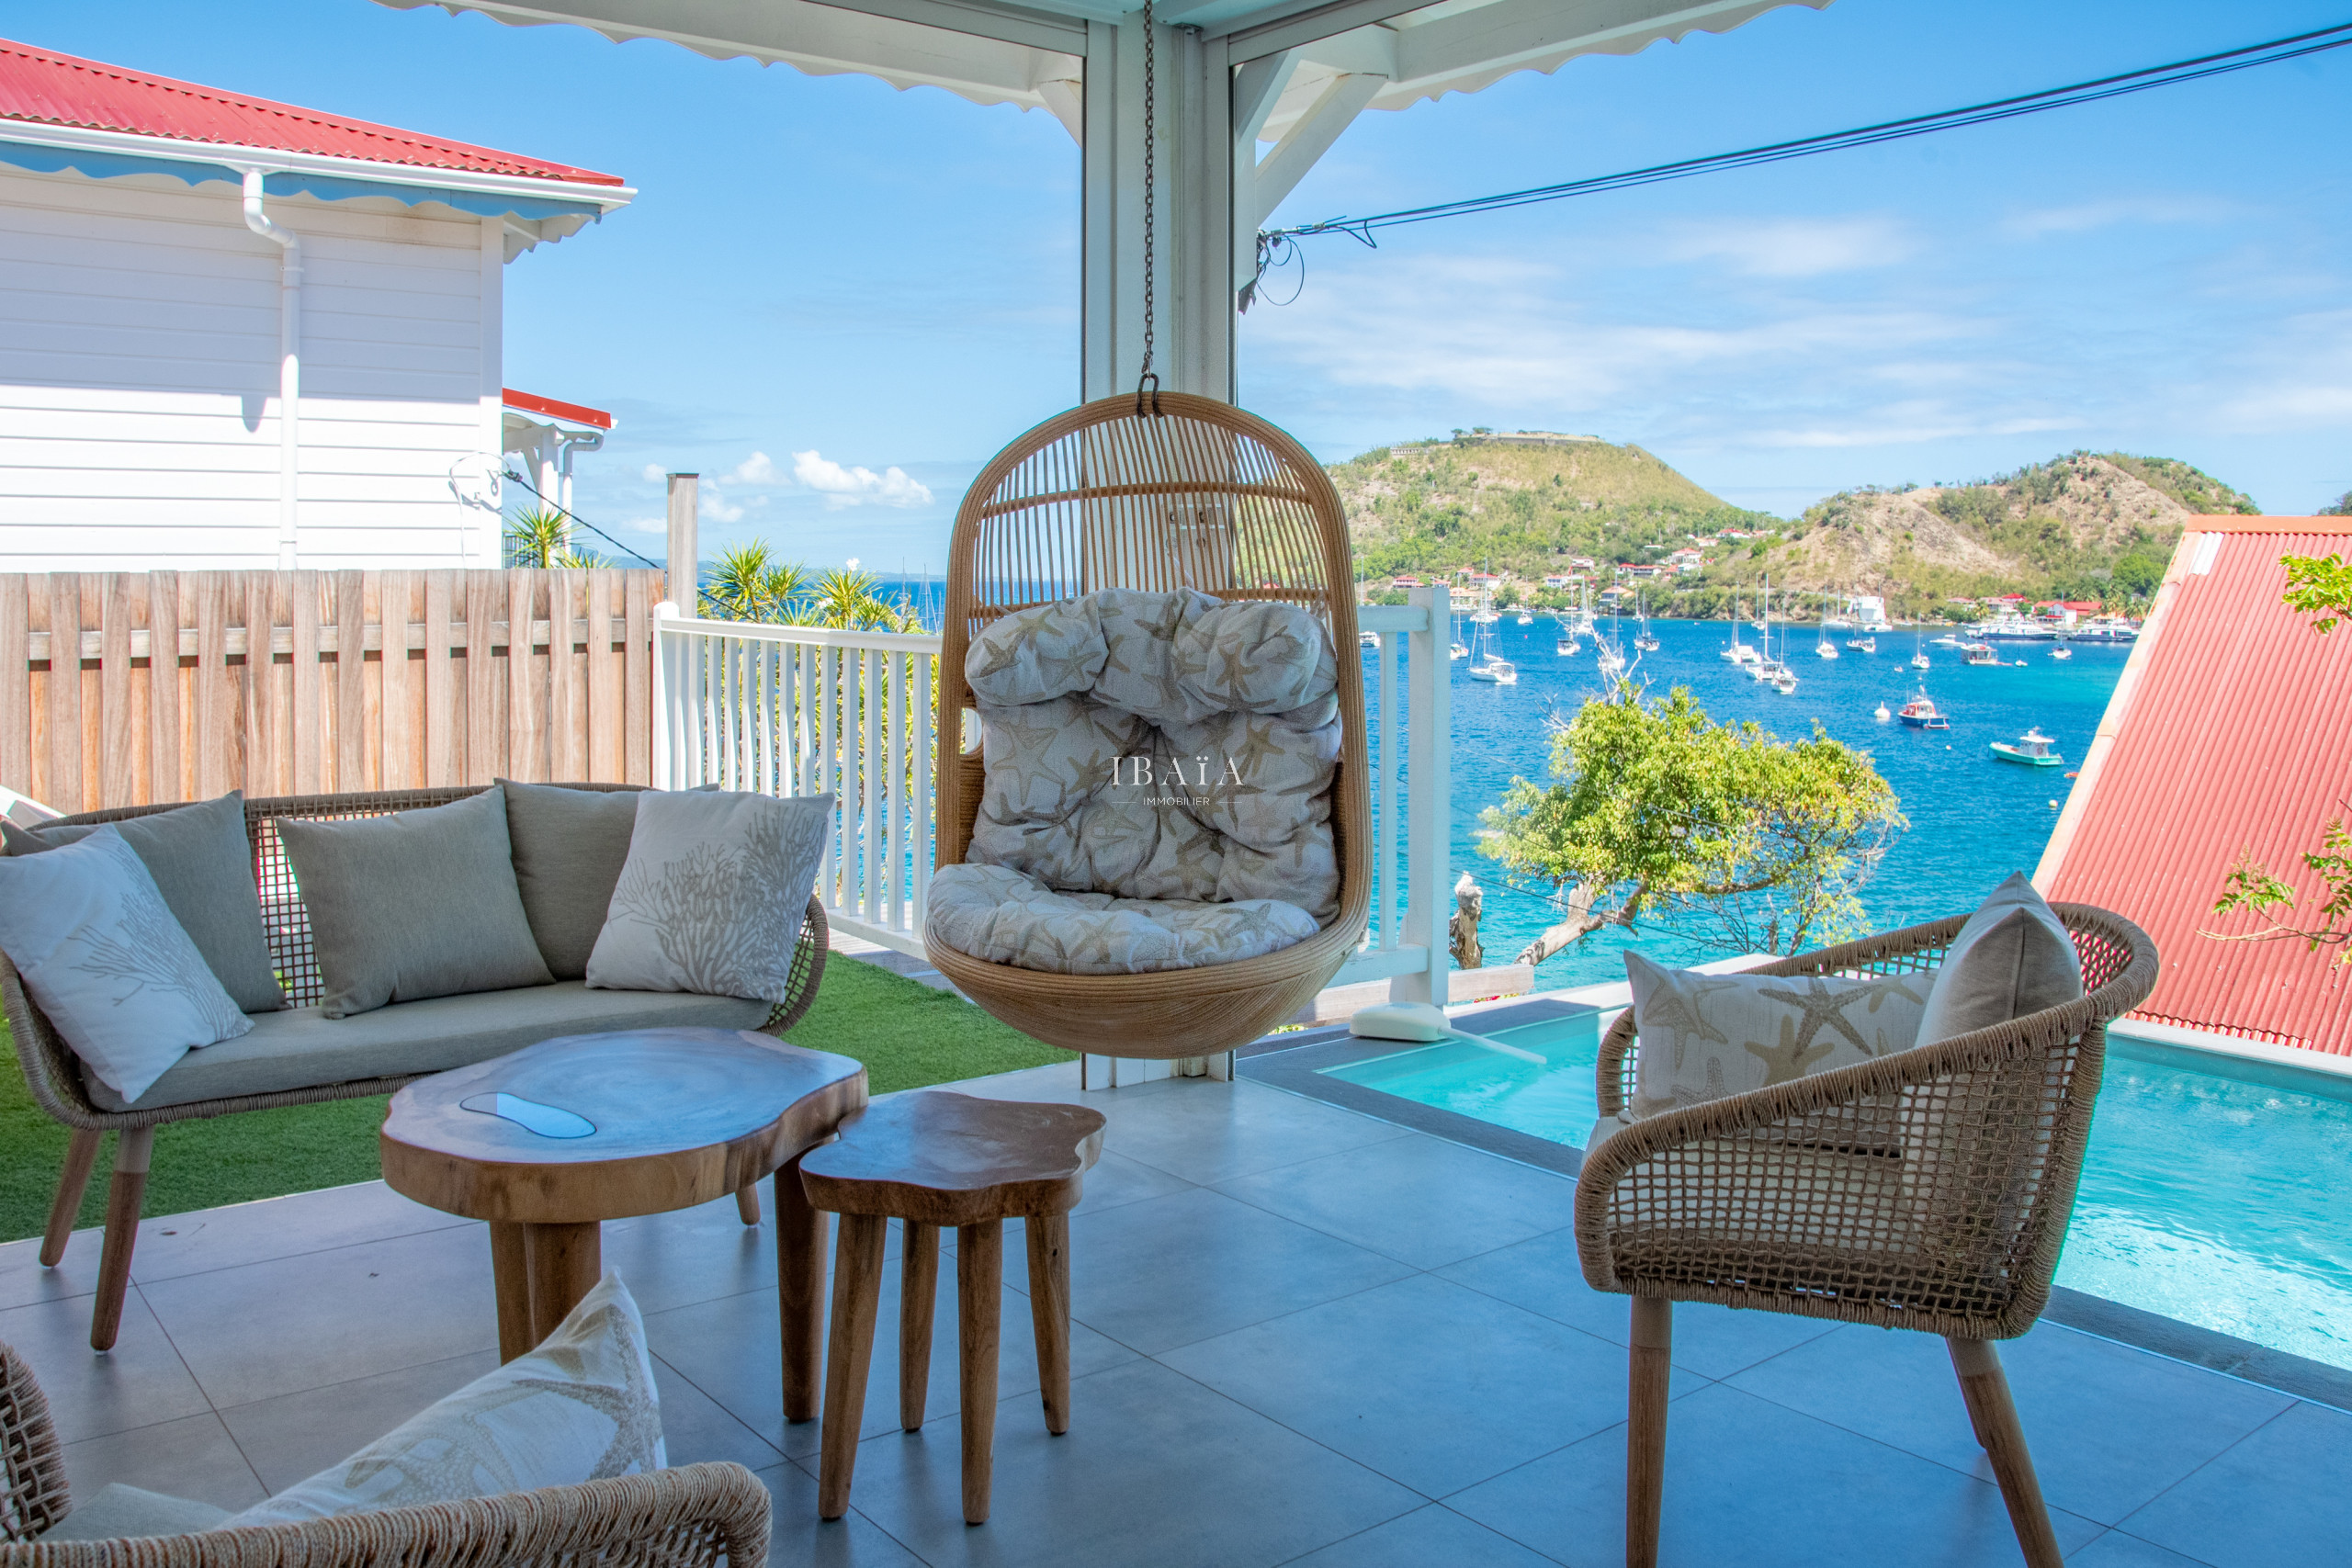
x,y
882,280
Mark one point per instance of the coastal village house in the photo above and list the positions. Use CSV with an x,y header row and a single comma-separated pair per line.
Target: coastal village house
x,y
238,334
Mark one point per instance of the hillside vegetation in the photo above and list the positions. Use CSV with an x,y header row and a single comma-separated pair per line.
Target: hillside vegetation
x,y
2085,526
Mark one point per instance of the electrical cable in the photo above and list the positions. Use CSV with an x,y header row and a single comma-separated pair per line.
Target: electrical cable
x,y
2277,49
575,517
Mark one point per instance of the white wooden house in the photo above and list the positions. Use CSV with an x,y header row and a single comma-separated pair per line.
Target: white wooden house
x,y
179,267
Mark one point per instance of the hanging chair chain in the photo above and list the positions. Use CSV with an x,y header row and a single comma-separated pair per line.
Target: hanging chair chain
x,y
1151,158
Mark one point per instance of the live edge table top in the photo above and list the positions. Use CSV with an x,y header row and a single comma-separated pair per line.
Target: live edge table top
x,y
678,1117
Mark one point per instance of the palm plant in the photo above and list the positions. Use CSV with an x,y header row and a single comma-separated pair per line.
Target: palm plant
x,y
537,538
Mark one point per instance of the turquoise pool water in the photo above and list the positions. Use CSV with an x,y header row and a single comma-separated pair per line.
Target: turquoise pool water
x,y
2213,1194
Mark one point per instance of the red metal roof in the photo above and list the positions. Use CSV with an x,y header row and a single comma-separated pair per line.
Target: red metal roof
x,y
42,88
570,413
2230,732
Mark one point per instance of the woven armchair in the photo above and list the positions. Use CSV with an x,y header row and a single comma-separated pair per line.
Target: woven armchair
x,y
1927,1190
698,1516
55,1078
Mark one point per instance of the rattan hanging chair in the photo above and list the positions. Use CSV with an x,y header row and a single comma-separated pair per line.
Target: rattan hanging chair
x,y
1195,494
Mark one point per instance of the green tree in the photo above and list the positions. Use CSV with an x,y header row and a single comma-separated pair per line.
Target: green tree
x,y
2341,508
748,584
1717,833
2319,586
542,538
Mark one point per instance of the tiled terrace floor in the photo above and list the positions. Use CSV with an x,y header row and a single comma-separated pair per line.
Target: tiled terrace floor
x,y
1306,1337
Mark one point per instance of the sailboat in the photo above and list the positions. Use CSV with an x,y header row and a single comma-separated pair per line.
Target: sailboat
x,y
1525,619
1919,651
1612,645
1490,669
1643,640
1738,653
1822,645
1459,649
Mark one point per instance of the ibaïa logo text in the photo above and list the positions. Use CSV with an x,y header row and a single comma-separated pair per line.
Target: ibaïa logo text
x,y
1139,772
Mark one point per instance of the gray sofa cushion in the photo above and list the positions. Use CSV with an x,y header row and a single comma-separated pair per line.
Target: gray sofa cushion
x,y
203,865
417,904
569,846
302,1048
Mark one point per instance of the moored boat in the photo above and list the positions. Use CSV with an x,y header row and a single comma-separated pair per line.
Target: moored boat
x,y
1920,712
2032,750
1981,653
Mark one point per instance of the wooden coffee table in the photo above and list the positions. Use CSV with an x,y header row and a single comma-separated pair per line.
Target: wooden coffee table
x,y
609,1126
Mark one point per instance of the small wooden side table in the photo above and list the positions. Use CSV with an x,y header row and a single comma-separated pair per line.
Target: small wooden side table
x,y
547,1141
938,1158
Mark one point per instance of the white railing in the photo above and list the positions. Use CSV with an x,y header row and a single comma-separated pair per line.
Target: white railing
x,y
803,710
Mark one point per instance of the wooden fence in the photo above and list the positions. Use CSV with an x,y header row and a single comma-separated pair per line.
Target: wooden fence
x,y
371,680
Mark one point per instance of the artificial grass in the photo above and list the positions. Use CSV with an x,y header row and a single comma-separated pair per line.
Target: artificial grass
x,y
905,1033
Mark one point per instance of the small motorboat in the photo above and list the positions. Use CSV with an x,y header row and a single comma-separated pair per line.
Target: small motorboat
x,y
1862,644
1566,648
1982,654
1920,712
1785,682
2062,653
1880,713
2032,750
1368,640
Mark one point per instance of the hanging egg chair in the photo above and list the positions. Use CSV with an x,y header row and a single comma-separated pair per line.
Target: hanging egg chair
x,y
1189,494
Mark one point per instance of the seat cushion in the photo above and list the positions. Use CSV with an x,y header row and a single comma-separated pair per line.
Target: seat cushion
x,y
118,1512
1159,747
303,1048
2013,957
1001,916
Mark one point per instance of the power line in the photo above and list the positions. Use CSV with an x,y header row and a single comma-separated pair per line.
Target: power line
x,y
574,516
1271,242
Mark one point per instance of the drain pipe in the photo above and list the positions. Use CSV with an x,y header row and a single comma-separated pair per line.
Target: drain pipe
x,y
290,365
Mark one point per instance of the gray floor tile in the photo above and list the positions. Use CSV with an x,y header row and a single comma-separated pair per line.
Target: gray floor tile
x,y
697,1429
1435,1536
1116,1179
1423,1380
193,1456
1544,1276
1419,1199
140,1382
1171,1270
2278,1497
1205,1131
298,1323
24,1282
693,1255
798,1539
1156,1472
2117,1549
172,1245
1751,1481
292,1436
2110,1427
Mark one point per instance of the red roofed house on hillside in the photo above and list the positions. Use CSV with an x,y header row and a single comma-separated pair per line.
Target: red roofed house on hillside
x,y
181,265
2230,732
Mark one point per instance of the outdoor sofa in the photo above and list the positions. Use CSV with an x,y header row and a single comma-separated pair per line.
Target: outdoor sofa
x,y
301,1057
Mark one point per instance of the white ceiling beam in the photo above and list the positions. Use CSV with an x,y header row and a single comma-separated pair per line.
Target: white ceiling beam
x,y
1334,109
1257,87
1255,33
1510,33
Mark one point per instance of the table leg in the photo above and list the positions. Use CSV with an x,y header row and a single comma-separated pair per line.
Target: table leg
x,y
1050,1313
800,1280
980,1293
918,1289
510,1270
564,1262
857,1287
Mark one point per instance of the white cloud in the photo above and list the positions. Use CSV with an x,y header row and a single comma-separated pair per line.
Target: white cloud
x,y
719,509
854,486
647,525
2081,218
1794,247
654,474
757,469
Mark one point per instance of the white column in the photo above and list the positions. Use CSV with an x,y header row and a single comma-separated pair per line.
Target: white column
x,y
1429,810
472,550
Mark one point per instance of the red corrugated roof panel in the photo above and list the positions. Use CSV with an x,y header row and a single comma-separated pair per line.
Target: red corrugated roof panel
x,y
555,407
2236,737
42,88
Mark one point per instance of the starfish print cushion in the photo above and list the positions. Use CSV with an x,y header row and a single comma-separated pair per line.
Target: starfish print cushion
x,y
1705,1036
582,1406
87,929
1159,746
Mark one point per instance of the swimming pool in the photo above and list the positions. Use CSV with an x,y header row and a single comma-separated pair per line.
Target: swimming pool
x,y
2215,1194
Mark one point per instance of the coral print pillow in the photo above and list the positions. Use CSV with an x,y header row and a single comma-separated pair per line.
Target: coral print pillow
x,y
712,896
109,964
1705,1036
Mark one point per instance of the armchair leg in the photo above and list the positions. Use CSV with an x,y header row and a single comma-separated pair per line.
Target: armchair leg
x,y
1986,1389
131,1152
1650,1363
81,1155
